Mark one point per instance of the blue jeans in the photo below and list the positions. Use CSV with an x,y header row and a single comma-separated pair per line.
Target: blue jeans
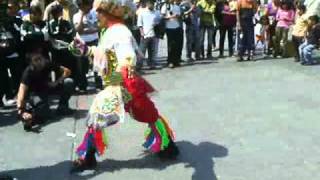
x,y
203,30
193,40
305,52
147,44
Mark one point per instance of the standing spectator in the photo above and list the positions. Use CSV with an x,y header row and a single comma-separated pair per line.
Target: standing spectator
x,y
299,30
11,59
146,23
312,41
285,17
86,25
180,35
171,13
69,9
191,19
228,23
245,14
272,9
207,8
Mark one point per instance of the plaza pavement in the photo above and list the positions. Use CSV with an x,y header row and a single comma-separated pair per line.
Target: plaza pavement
x,y
234,121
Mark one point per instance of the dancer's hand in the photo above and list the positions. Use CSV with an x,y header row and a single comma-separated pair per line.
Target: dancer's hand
x,y
131,70
26,116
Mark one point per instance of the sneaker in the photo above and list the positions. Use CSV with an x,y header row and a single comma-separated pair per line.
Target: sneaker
x,y
171,65
240,59
170,153
190,59
210,57
11,102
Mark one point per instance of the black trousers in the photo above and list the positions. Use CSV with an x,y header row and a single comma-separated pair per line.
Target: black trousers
x,y
10,85
223,31
38,102
64,57
297,41
175,45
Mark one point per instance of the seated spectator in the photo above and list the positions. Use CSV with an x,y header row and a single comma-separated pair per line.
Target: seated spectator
x,y
299,30
35,32
61,33
35,86
312,41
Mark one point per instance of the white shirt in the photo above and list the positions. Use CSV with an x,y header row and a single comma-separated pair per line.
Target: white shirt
x,y
147,20
118,38
171,9
90,20
313,7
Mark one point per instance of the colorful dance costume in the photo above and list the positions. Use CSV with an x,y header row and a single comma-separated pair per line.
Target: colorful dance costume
x,y
113,58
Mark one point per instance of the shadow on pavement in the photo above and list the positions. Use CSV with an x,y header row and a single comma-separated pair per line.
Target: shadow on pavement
x,y
8,118
198,157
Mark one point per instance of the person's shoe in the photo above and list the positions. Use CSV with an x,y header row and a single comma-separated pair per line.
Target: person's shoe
x,y
89,163
27,127
11,102
170,153
171,65
209,57
64,111
190,60
240,59
152,67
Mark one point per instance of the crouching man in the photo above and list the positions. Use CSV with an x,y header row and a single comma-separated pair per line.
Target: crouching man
x,y
35,88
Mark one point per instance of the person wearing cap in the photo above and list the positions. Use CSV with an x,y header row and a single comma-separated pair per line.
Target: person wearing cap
x,y
125,91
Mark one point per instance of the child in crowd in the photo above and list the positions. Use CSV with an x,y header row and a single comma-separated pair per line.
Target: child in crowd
x,y
261,29
299,30
285,17
312,41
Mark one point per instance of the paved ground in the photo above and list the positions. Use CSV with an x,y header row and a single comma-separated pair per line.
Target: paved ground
x,y
234,121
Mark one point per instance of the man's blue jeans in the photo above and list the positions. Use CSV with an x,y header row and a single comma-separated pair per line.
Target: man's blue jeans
x,y
305,52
